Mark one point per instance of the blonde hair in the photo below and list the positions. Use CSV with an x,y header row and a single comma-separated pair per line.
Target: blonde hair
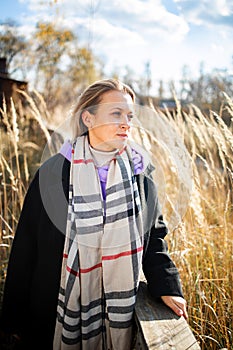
x,y
91,98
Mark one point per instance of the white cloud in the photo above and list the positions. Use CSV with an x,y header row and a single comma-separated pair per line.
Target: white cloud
x,y
207,12
117,34
131,32
224,7
149,18
121,32
26,30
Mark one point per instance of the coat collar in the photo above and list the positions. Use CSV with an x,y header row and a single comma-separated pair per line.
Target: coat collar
x,y
60,168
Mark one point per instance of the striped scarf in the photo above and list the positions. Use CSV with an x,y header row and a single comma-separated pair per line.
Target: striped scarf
x,y
102,255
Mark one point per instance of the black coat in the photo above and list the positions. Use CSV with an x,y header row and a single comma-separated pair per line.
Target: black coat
x,y
33,276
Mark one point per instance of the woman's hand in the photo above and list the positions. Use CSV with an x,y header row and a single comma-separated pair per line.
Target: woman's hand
x,y
177,304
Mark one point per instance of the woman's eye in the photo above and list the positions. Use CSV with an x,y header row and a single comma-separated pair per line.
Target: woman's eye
x,y
117,114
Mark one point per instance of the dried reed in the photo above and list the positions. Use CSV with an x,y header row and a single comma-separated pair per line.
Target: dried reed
x,y
202,243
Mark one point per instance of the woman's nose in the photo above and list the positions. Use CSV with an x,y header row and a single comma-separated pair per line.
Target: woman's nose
x,y
125,125
125,122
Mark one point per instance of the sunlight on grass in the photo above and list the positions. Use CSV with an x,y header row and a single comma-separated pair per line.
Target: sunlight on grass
x,y
201,245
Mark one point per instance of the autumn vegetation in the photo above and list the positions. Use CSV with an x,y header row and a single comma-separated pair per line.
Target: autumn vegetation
x,y
202,242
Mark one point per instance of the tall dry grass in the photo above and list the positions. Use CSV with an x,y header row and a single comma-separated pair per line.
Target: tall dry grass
x,y
24,132
208,228
202,243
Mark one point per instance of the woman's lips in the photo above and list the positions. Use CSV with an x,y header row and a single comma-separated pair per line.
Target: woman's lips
x,y
124,136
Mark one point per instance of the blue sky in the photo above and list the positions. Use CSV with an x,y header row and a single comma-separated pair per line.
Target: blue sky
x,y
167,33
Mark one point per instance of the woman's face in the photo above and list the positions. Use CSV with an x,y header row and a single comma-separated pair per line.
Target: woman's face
x,y
109,127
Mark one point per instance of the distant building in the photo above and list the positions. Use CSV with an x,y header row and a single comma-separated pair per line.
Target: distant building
x,y
8,86
169,104
161,104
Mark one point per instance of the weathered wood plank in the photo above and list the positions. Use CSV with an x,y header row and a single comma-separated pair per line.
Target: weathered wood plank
x,y
159,328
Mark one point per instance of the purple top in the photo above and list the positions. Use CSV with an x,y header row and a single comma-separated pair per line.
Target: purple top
x,y
66,151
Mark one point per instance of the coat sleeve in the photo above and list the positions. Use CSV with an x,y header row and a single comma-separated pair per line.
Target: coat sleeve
x,y
21,262
160,271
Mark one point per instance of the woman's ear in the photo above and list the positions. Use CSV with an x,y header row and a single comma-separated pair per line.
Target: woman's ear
x,y
87,119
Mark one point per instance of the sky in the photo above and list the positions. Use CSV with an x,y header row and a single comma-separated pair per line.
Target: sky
x,y
168,34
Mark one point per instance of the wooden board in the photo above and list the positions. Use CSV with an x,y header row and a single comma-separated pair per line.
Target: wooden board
x,y
159,328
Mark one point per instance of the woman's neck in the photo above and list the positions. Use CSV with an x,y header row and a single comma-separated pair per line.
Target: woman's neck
x,y
102,158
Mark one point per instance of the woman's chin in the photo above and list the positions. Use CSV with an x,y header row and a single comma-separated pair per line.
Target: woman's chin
x,y
112,145
119,144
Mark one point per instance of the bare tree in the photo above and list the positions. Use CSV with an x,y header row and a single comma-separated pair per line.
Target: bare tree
x,y
12,46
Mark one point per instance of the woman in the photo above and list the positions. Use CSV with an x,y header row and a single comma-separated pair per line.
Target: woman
x,y
90,219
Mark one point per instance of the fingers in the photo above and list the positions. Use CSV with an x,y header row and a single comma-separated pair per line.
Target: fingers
x,y
177,304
